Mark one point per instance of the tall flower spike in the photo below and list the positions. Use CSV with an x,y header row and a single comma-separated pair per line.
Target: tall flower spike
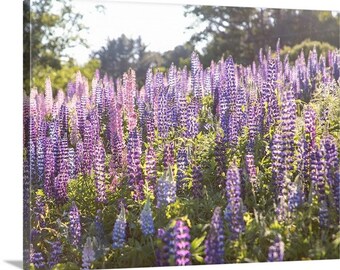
x,y
182,165
119,234
49,168
75,225
276,250
166,189
99,171
60,184
146,220
150,167
214,244
233,213
182,243
88,254
197,179
56,252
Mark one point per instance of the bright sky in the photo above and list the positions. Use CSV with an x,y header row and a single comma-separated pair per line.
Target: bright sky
x,y
161,26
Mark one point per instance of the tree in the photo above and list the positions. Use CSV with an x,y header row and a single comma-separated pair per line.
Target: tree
x,y
50,27
120,54
241,32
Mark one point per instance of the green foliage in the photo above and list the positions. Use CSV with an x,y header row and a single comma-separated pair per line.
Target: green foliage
x,y
61,77
241,32
306,46
50,27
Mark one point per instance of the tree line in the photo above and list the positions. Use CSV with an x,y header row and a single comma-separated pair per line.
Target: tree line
x,y
240,32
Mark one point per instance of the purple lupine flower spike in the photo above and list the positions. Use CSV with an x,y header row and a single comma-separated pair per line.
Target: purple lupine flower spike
x,y
233,213
197,179
182,165
276,250
119,234
38,260
88,255
182,243
56,252
49,168
74,225
60,184
146,220
150,167
166,189
99,172
214,244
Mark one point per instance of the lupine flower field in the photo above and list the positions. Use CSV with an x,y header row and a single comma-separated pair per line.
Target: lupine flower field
x,y
201,165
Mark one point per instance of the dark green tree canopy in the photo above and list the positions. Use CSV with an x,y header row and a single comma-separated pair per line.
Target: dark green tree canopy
x,y
50,27
120,54
241,32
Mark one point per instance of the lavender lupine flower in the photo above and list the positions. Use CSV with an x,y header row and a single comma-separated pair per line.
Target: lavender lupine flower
x,y
39,211
278,168
74,225
146,220
169,156
182,165
134,152
162,115
63,119
310,137
116,148
192,123
195,76
88,147
32,161
119,234
182,243
38,260
197,179
88,255
288,119
318,171
161,256
220,156
251,171
295,196
166,189
99,228
323,215
49,168
331,159
71,165
79,157
276,250
41,148
150,167
60,184
167,249
234,210
214,244
62,156
56,252
99,172
150,126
